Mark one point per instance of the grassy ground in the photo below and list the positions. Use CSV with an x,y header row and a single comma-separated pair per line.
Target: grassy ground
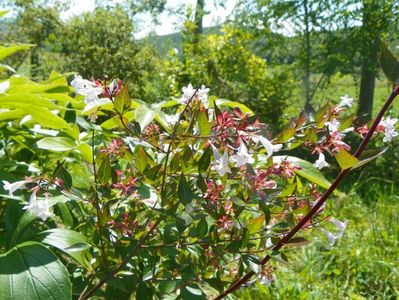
x,y
363,265
340,85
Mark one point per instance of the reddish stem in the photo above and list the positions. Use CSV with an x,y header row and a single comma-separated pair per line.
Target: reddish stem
x,y
235,285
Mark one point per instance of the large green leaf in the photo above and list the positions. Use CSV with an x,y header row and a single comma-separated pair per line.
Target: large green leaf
x,y
68,241
307,170
345,159
31,271
232,104
144,115
6,51
58,144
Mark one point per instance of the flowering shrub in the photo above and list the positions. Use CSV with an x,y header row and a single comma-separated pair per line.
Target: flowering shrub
x,y
180,198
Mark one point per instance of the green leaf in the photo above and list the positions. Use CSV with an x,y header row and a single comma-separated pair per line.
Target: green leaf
x,y
58,144
285,135
141,159
232,104
31,271
203,123
61,173
144,115
3,12
184,191
204,161
192,292
6,51
70,242
104,171
86,152
307,171
389,64
122,100
345,159
24,221
368,156
256,224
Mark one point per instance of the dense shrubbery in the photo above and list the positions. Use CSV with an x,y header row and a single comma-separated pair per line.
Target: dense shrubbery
x,y
181,197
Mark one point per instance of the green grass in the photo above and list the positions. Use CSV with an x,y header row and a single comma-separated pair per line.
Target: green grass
x,y
340,85
364,264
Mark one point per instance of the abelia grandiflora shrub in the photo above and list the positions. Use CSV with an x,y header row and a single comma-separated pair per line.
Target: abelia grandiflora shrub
x,y
187,200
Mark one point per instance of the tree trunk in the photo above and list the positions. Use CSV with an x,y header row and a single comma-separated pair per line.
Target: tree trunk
x,y
306,79
199,15
369,62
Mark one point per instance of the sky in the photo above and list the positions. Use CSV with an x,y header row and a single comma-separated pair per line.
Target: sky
x,y
167,23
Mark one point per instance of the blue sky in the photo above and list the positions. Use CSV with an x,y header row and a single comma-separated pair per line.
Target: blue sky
x,y
167,23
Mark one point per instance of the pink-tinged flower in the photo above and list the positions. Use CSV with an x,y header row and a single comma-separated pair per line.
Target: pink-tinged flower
x,y
117,147
335,142
225,223
213,192
12,187
321,162
242,157
346,101
389,128
266,277
261,181
39,208
220,163
285,169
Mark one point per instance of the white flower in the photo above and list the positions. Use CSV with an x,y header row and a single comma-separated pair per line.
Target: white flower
x,y
389,128
203,93
321,162
242,156
189,91
39,208
331,238
333,125
340,225
345,101
90,91
266,278
221,163
270,148
12,187
172,119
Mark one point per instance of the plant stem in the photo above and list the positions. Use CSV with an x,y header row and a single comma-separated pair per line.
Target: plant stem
x,y
89,293
235,285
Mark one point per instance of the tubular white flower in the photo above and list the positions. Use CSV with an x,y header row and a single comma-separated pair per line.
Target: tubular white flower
x,y
12,187
331,238
242,156
90,91
220,163
340,225
345,101
389,128
321,162
269,147
39,208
